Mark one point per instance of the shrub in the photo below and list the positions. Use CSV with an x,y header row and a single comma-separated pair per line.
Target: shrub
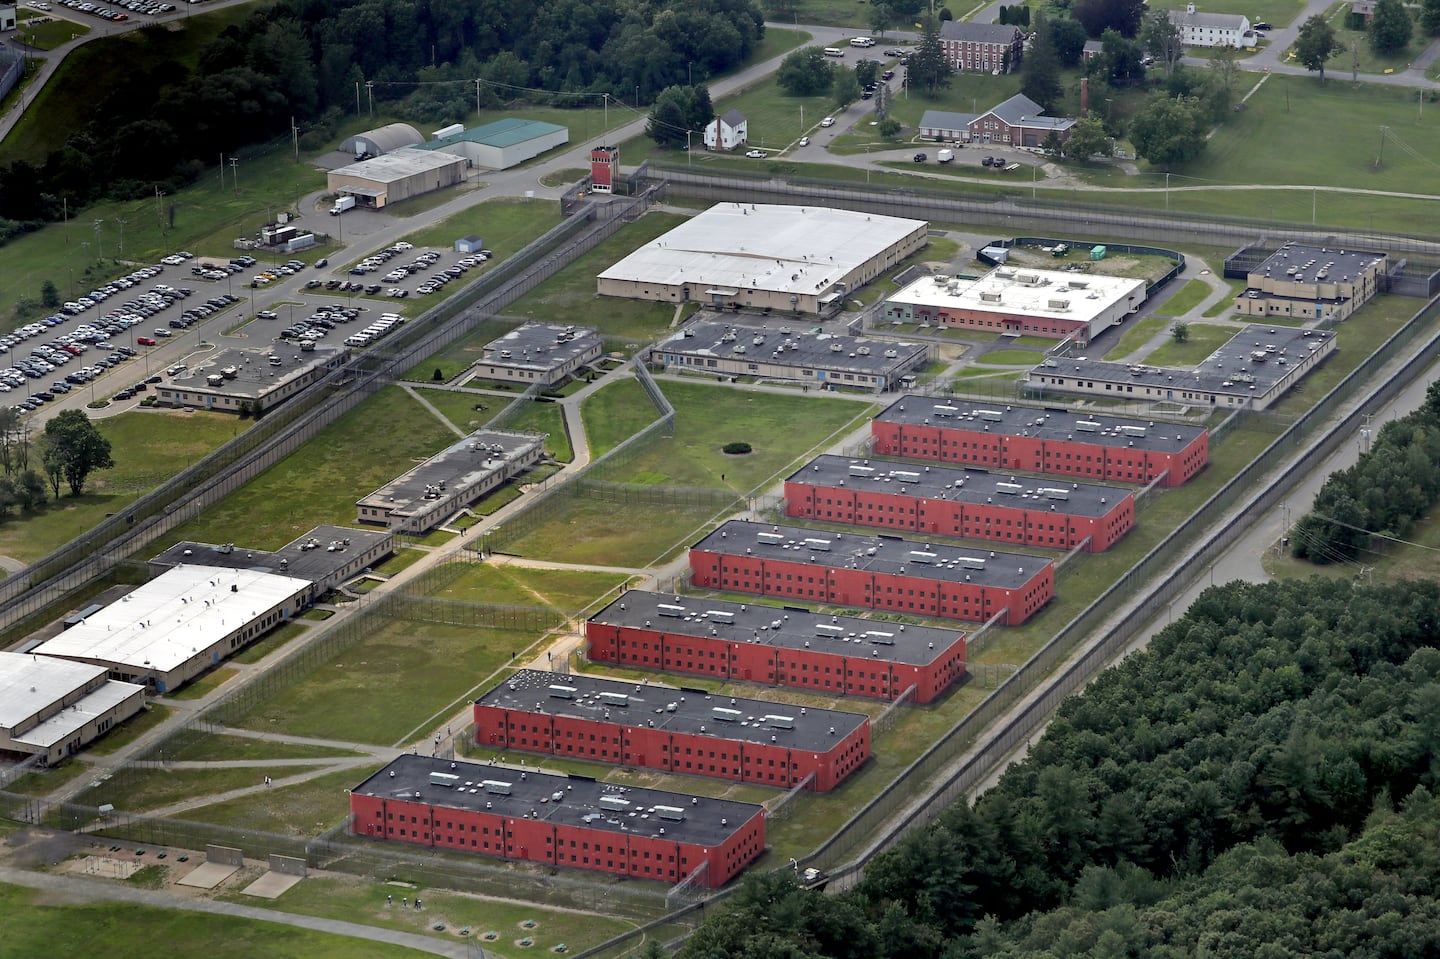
x,y
736,449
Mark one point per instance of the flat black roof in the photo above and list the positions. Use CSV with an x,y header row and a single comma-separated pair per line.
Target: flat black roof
x,y
328,549
572,801
541,346
960,485
798,347
1338,264
784,627
1100,429
250,372
1253,362
458,466
689,711
883,554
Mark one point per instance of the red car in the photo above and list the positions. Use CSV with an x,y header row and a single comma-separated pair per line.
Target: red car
x,y
145,340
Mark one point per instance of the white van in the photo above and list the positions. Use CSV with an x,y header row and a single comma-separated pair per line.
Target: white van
x,y
862,42
834,52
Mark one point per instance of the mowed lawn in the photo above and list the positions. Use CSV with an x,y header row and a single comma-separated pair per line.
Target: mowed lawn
x,y
148,447
383,437
302,809
383,687
125,930
564,590
624,324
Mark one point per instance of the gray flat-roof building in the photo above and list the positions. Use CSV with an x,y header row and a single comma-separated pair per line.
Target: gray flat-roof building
x,y
397,175
225,380
326,556
682,730
544,353
1252,370
826,360
765,256
53,707
762,643
452,479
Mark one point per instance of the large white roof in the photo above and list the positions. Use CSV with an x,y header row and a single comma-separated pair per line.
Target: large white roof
x,y
170,619
30,683
741,246
71,720
1010,289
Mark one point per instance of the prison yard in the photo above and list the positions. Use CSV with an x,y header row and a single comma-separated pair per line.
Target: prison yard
x,y
263,753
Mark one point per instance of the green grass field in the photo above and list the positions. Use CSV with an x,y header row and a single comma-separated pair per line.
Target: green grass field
x,y
47,34
614,413
1185,299
1203,339
1010,358
383,437
624,324
298,810
219,747
148,448
132,729
505,223
138,790
126,930
382,688
563,590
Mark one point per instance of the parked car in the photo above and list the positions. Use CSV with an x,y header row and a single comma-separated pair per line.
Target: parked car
x,y
145,340
755,154
920,158
804,141
828,122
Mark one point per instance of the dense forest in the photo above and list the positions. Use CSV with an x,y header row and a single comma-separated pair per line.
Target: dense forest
x,y
1394,483
1258,783
163,123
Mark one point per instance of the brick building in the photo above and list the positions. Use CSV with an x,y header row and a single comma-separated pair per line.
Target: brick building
x,y
971,503
982,47
785,646
558,820
677,730
1028,439
872,572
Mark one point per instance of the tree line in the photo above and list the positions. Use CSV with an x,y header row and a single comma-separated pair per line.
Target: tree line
x,y
1393,483
164,121
1260,781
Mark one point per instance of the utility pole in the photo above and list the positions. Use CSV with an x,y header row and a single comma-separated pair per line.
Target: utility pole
x,y
295,139
99,248
477,98
370,92
1381,157
357,98
235,173
122,235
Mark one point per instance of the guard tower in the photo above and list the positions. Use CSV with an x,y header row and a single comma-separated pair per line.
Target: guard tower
x,y
603,162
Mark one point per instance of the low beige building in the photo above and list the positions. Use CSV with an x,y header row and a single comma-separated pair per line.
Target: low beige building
x,y
52,708
398,175
1310,283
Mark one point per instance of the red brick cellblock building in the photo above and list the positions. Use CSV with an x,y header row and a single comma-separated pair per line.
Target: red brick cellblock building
x,y
969,503
676,730
780,646
571,821
872,572
1028,439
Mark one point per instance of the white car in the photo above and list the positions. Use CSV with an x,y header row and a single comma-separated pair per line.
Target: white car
x,y
804,141
755,154
828,122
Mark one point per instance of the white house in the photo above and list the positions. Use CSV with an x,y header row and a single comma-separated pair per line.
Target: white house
x,y
1212,29
727,132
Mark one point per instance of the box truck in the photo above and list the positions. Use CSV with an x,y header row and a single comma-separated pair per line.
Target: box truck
x,y
945,156
342,203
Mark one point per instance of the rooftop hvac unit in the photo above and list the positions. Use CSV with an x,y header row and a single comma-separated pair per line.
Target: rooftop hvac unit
x,y
1086,426
1058,306
1133,430
1052,493
497,787
615,699
881,637
562,692
774,539
920,556
994,416
944,411
720,616
1010,489
670,609
448,780
972,562
825,629
862,470
672,813
726,715
990,296
1027,278
617,803
780,722
905,476
821,545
